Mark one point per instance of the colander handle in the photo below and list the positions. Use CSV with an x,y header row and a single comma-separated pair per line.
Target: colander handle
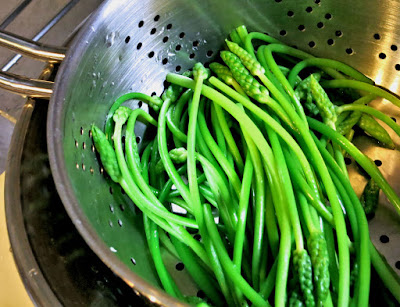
x,y
23,85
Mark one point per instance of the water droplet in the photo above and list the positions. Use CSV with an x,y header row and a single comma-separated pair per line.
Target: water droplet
x,y
110,38
113,249
32,272
92,87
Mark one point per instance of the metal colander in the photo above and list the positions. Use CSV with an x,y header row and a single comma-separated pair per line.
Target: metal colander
x,y
132,45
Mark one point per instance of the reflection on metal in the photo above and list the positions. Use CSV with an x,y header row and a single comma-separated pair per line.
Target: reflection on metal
x,y
32,49
25,86
8,116
43,31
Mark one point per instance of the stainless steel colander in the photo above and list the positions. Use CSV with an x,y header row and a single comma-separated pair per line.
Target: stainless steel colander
x,y
131,45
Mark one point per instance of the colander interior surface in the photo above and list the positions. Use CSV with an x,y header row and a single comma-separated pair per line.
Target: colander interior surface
x,y
132,45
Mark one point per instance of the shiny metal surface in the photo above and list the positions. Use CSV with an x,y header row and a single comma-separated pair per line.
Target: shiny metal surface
x,y
23,85
26,86
31,48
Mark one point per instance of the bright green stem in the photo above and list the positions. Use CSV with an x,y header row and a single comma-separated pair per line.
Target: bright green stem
x,y
154,157
207,194
141,201
318,62
219,134
235,37
272,123
344,257
154,246
133,160
268,73
199,275
259,208
330,244
144,163
273,178
279,201
280,48
389,278
262,274
271,226
384,271
228,136
238,88
164,153
242,32
226,262
191,150
109,121
178,110
351,215
165,190
287,183
364,257
191,161
371,111
300,183
282,79
365,99
360,158
218,154
218,270
357,85
360,101
269,284
328,302
203,149
339,157
221,192
173,174
178,135
260,36
168,244
242,213
305,209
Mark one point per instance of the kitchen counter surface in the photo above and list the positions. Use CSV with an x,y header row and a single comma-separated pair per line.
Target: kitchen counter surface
x,y
12,290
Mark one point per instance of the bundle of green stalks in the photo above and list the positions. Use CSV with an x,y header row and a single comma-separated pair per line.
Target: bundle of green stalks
x,y
251,151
